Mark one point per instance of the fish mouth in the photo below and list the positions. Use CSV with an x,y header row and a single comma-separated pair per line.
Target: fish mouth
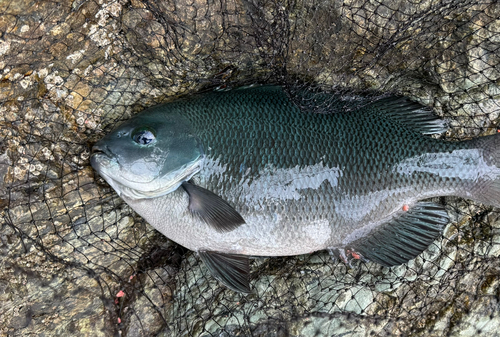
x,y
100,158
101,150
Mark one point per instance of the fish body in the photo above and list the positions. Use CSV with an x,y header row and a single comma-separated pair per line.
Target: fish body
x,y
347,179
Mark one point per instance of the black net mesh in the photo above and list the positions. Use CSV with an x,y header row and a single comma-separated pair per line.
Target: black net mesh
x,y
77,261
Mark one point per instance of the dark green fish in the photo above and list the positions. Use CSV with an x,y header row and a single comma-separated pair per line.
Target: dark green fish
x,y
247,172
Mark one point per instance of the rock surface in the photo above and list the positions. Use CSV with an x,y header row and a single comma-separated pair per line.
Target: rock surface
x,y
76,261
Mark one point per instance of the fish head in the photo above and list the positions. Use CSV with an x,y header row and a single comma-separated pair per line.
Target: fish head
x,y
149,155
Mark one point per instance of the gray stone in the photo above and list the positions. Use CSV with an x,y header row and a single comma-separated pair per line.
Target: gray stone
x,y
70,71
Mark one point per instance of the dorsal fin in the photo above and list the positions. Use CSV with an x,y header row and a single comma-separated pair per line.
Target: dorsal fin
x,y
397,108
412,114
311,99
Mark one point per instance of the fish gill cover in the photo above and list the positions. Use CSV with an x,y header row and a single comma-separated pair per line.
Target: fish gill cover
x,y
77,261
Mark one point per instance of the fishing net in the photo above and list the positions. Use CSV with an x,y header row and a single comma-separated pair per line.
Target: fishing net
x,y
77,261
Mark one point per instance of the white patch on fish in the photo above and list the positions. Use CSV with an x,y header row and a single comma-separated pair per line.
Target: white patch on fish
x,y
463,164
318,231
286,184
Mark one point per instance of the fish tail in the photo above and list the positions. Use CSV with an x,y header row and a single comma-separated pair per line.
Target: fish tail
x,y
487,189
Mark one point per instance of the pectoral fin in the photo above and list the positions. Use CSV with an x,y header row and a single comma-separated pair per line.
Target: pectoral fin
x,y
212,209
230,269
404,237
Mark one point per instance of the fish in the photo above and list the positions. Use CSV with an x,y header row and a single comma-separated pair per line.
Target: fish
x,y
257,171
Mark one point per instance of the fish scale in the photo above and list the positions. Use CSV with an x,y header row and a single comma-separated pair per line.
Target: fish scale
x,y
361,143
261,176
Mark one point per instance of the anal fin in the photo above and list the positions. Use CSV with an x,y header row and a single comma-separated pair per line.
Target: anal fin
x,y
231,269
404,237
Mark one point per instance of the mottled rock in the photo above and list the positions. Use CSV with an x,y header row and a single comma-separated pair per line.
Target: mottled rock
x,y
69,71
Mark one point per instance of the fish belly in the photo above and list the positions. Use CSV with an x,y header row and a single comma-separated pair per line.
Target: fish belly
x,y
304,209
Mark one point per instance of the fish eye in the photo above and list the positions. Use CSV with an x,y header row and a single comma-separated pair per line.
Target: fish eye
x,y
143,135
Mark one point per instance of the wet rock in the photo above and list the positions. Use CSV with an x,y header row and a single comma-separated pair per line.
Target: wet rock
x,y
69,71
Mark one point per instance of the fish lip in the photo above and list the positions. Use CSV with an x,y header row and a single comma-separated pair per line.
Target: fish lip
x,y
102,152
98,149
95,163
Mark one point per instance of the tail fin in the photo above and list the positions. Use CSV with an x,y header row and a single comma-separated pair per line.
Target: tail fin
x,y
487,190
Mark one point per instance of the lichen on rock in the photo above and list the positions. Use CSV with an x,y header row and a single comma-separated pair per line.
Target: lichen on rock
x,y
71,70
